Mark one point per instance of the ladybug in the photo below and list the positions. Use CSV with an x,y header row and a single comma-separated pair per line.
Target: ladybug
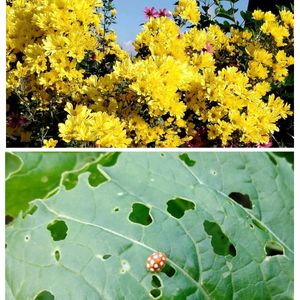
x,y
156,261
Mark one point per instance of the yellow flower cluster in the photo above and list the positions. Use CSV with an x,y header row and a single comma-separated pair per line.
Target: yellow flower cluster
x,y
52,37
278,29
84,125
177,79
188,10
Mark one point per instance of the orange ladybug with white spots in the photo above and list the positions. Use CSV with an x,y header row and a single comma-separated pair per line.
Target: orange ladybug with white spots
x,y
156,261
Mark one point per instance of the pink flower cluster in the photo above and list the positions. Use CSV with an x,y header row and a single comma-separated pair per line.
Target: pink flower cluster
x,y
153,13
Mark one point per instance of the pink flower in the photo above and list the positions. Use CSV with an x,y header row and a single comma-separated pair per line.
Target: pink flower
x,y
209,48
150,12
269,144
163,13
180,35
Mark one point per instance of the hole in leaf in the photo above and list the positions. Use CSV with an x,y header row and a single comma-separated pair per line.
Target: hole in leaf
x,y
273,248
232,250
140,214
8,219
213,172
116,209
109,159
219,241
162,154
259,225
106,256
168,270
289,156
44,295
177,207
57,255
5,245
70,181
251,226
155,293
155,281
96,177
27,237
241,199
58,229
272,159
189,162
32,210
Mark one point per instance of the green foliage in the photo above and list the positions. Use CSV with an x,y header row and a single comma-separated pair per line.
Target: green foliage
x,y
216,248
33,176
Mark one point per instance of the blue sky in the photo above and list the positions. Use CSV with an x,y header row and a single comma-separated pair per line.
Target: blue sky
x,y
130,14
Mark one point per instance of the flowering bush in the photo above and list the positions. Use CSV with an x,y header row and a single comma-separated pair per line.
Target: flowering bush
x,y
193,81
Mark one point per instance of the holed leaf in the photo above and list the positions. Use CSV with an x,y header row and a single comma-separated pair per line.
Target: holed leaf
x,y
102,254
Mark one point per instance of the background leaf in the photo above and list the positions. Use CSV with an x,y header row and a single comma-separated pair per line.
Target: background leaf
x,y
217,248
12,164
33,176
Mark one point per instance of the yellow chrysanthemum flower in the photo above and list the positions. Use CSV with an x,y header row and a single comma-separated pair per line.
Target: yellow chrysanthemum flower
x,y
188,10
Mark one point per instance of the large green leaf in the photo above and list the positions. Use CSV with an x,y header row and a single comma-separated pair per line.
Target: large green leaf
x,y
12,164
92,242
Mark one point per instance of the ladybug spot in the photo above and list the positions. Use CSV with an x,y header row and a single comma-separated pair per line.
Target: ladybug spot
x,y
241,199
140,214
58,229
155,281
219,241
177,207
189,162
155,293
44,295
169,271
273,248
57,255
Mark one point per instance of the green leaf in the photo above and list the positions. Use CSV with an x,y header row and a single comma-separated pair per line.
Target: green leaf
x,y
12,164
247,16
34,176
216,248
227,14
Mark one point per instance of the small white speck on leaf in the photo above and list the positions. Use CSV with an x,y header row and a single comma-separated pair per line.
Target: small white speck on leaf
x,y
125,266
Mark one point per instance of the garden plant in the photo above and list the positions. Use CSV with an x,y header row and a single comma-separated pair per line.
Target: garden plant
x,y
199,77
96,226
